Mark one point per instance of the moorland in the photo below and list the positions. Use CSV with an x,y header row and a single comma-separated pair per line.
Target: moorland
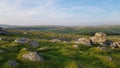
x,y
60,47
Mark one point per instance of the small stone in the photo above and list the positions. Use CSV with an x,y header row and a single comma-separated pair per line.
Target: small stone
x,y
21,40
0,38
34,44
75,46
55,40
11,64
109,58
104,49
3,39
1,51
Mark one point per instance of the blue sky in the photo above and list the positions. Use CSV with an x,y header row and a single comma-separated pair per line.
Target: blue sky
x,y
60,12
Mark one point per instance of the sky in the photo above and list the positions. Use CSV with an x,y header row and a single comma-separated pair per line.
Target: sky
x,y
60,12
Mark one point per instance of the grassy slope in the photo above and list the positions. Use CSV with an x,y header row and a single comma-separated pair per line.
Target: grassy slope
x,y
59,55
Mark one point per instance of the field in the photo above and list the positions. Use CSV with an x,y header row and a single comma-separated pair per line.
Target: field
x,y
61,54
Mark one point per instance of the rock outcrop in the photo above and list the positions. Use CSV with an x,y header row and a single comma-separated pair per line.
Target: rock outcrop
x,y
84,41
99,37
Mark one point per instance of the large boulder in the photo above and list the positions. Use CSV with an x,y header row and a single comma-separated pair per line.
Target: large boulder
x,y
29,55
32,56
100,38
84,41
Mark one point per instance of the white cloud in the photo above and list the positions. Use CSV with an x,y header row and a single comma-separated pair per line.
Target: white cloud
x,y
46,12
43,13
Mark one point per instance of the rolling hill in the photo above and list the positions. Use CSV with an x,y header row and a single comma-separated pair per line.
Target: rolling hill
x,y
83,30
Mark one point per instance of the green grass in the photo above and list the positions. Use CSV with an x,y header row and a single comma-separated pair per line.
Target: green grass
x,y
58,55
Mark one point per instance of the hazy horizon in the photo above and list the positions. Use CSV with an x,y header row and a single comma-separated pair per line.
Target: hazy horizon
x,y
60,12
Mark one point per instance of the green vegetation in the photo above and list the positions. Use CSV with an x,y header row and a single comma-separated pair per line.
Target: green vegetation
x,y
58,54
88,30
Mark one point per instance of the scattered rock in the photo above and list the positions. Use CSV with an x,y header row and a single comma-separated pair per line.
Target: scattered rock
x,y
84,41
109,58
108,42
25,33
116,44
104,49
75,46
22,40
99,38
11,64
34,44
55,40
1,51
3,39
29,55
32,56
0,39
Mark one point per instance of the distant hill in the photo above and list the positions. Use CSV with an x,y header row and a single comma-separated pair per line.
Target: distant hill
x,y
7,26
4,26
84,30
